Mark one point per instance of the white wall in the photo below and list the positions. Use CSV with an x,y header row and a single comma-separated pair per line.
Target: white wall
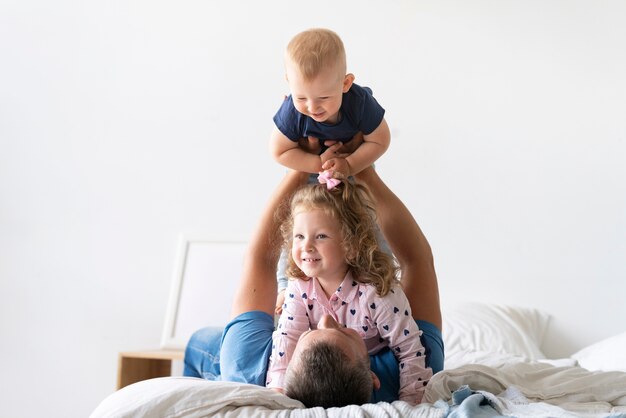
x,y
124,124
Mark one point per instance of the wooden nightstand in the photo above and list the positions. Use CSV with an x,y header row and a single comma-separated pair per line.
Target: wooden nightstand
x,y
134,366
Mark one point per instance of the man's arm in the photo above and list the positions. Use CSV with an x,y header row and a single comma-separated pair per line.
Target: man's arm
x,y
290,155
257,287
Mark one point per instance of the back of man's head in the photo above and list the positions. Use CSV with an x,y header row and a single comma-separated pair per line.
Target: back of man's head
x,y
325,376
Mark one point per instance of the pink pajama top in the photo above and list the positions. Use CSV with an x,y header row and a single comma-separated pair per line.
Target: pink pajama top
x,y
381,322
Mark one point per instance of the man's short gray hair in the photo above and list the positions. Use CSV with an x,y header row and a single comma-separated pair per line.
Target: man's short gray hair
x,y
325,376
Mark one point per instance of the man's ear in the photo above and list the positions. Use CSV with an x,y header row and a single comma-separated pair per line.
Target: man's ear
x,y
375,381
347,82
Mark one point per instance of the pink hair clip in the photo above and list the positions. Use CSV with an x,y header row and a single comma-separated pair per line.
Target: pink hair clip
x,y
326,177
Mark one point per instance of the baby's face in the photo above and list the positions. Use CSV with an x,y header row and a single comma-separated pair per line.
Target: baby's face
x,y
319,98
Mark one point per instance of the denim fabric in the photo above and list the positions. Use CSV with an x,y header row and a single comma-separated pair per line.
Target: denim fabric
x,y
246,348
468,404
385,365
433,344
238,353
202,354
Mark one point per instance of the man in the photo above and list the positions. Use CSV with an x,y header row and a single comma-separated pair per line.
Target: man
x,y
241,351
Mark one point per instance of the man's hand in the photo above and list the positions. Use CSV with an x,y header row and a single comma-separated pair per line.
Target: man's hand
x,y
310,145
350,146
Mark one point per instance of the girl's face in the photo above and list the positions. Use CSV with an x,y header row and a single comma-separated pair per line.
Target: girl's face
x,y
316,247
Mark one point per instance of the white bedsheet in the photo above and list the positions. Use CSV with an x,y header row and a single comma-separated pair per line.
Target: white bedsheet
x,y
187,397
541,390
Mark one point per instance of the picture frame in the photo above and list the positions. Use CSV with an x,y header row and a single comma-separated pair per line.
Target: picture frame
x,y
205,277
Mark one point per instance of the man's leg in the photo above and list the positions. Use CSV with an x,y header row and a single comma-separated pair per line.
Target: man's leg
x,y
202,354
410,247
414,255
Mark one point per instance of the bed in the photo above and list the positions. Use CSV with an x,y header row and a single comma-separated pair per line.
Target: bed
x,y
494,367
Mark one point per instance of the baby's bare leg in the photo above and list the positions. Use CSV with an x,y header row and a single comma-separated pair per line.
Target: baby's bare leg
x,y
257,287
410,247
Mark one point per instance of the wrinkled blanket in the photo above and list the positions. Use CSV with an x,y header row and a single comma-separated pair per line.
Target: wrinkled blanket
x,y
466,403
572,388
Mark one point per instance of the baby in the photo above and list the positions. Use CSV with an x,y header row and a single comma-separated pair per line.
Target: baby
x,y
325,105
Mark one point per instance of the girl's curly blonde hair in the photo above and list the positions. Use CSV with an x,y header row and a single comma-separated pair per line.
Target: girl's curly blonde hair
x,y
352,204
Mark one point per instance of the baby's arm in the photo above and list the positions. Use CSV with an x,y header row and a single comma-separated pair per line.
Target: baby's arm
x,y
292,323
290,155
396,325
374,145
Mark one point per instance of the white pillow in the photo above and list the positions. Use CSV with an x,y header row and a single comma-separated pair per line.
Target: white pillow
x,y
605,355
472,328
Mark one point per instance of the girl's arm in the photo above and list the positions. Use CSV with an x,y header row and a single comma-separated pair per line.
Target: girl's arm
x,y
290,155
292,323
397,326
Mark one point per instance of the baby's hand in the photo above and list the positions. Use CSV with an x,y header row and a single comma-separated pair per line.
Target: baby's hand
x,y
280,300
333,151
339,165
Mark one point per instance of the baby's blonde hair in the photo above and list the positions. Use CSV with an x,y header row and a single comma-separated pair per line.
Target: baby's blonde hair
x,y
316,49
351,204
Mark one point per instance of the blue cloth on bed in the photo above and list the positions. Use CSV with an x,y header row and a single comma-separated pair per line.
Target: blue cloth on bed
x,y
468,404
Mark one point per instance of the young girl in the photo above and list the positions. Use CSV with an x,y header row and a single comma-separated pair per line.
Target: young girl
x,y
339,274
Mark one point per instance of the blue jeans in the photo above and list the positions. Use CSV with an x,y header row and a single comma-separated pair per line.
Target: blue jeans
x,y
238,353
202,354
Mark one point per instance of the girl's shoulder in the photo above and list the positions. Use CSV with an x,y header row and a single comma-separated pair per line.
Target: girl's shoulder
x,y
396,293
297,283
